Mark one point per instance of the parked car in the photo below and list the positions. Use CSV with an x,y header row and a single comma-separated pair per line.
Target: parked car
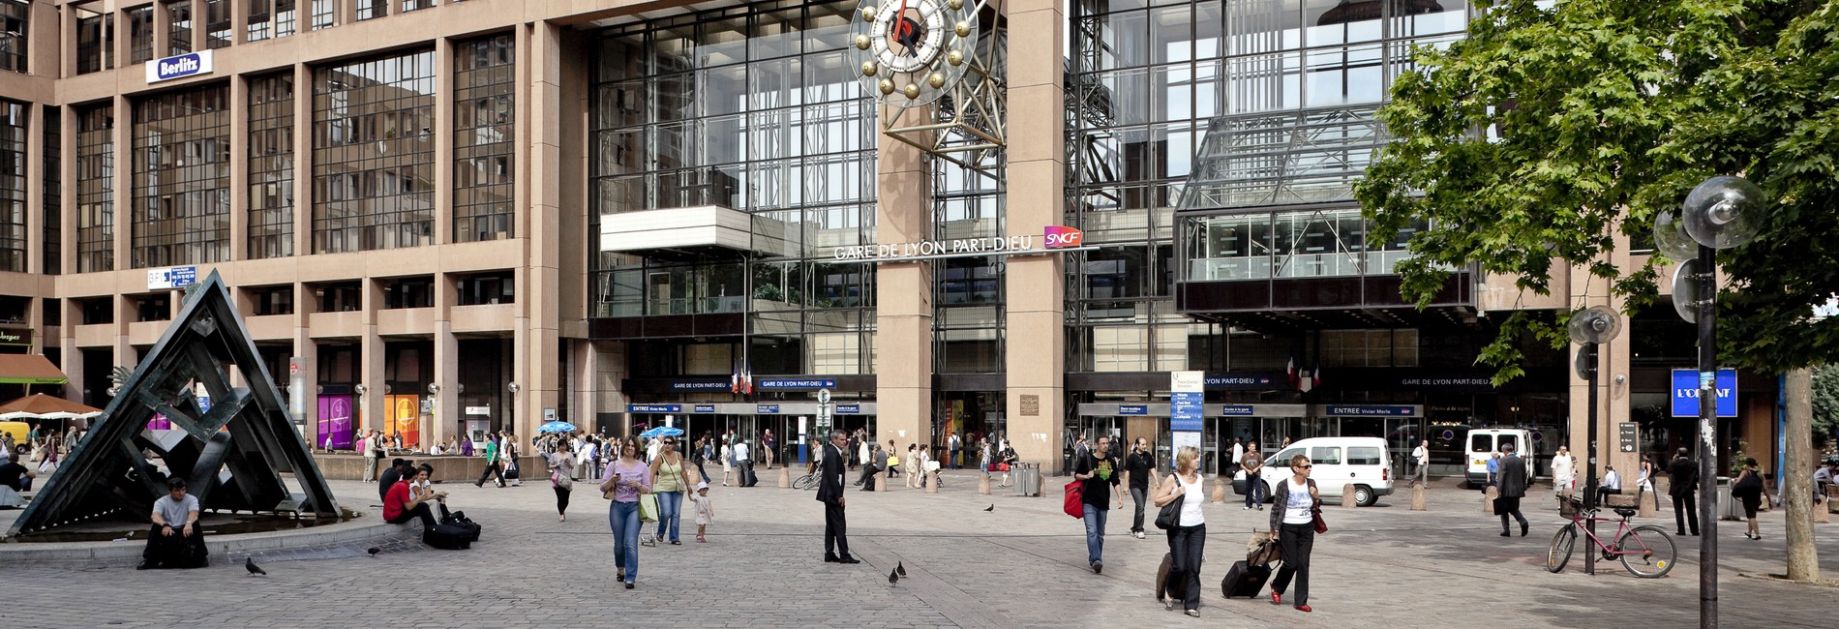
x,y
1362,462
1483,443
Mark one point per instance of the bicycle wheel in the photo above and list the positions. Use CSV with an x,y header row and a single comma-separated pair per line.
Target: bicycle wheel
x,y
1654,553
1560,551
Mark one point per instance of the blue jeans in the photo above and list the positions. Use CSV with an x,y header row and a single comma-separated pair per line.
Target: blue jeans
x,y
1254,492
1095,533
624,516
670,508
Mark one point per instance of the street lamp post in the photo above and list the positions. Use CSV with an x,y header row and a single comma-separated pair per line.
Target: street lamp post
x,y
1591,327
1720,213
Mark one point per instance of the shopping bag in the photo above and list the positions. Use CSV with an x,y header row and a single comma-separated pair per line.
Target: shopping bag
x,y
1075,499
648,507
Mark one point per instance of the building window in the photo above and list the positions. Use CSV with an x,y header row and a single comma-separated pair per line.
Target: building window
x,y
217,25
271,166
15,118
178,27
484,126
486,288
94,310
15,17
261,20
272,300
96,189
372,9
323,14
415,5
182,177
338,297
93,32
140,33
52,212
408,292
373,154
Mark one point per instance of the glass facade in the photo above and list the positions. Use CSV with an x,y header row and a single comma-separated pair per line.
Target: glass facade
x,y
93,39
373,153
270,19
484,131
178,28
325,14
95,188
416,5
15,18
372,9
217,25
182,177
140,33
756,109
271,166
15,126
53,208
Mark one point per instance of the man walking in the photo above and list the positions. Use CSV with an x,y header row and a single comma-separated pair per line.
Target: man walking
x,y
830,492
1683,485
1141,464
1100,474
1420,457
956,445
1512,478
491,463
744,463
369,445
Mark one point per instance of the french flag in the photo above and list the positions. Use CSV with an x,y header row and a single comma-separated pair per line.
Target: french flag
x,y
1290,372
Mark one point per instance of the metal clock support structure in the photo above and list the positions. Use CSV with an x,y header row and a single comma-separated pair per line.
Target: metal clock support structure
x,y
946,54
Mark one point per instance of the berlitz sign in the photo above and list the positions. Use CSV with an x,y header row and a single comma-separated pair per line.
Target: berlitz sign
x,y
179,66
1053,238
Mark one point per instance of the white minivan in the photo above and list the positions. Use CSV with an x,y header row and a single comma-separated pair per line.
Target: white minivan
x,y
1338,461
1483,443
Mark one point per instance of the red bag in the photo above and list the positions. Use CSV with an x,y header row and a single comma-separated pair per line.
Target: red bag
x,y
1002,467
1076,499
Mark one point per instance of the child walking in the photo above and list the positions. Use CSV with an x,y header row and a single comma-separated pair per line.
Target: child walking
x,y
705,510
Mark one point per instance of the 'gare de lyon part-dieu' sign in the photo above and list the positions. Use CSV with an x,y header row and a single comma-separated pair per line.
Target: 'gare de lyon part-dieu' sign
x,y
1054,238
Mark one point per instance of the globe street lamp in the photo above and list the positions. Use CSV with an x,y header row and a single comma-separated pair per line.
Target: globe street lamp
x,y
1590,328
1721,213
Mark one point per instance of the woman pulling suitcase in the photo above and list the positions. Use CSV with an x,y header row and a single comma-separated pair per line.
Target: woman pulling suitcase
x,y
1187,531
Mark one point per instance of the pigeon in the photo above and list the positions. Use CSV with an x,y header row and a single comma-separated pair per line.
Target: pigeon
x,y
374,550
249,564
893,576
992,507
900,567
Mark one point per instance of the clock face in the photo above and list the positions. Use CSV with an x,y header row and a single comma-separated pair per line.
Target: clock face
x,y
913,52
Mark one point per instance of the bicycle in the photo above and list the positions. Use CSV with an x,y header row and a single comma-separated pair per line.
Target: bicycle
x,y
808,481
1646,551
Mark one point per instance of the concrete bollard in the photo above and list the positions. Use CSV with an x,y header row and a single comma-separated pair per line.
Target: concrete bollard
x,y
1347,496
983,485
1487,499
785,478
1821,515
1645,502
1419,501
881,481
932,487
1219,489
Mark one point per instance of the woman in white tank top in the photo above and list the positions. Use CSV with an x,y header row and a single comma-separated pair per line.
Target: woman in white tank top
x,y
1188,538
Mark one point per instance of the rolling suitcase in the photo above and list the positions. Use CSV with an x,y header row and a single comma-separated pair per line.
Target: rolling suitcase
x,y
1244,580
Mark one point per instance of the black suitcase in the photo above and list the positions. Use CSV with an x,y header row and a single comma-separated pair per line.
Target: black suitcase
x,y
459,519
1244,580
447,537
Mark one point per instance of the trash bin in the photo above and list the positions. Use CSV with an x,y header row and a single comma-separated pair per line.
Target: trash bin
x,y
1027,479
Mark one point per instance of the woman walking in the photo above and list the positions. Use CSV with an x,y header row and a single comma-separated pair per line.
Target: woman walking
x,y
727,461
1295,501
1750,489
1644,481
627,477
667,468
561,467
1188,538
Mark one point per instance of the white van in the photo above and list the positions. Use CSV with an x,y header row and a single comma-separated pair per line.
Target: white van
x,y
1338,461
1483,443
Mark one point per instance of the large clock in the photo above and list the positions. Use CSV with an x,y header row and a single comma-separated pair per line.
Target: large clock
x,y
914,51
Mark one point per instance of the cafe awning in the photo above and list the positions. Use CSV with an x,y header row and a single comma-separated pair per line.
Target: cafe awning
x,y
41,406
31,369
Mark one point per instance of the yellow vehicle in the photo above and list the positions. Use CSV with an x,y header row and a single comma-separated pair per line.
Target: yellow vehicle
x,y
20,431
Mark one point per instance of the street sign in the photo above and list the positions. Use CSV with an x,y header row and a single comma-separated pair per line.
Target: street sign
x,y
823,396
1629,437
166,278
1686,383
1186,395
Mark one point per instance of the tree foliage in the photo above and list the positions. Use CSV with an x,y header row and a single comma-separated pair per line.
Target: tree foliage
x,y
1554,125
1825,403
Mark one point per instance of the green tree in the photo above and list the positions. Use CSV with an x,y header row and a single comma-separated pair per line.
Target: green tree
x,y
1555,124
1825,404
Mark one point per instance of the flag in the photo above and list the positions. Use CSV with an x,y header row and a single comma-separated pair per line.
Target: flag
x,y
746,381
734,381
1316,376
1290,372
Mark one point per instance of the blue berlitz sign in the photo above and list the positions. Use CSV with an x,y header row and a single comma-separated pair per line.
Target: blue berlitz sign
x,y
179,66
1686,393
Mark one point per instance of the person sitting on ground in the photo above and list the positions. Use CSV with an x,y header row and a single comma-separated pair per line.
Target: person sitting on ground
x,y
174,541
403,503
15,479
422,486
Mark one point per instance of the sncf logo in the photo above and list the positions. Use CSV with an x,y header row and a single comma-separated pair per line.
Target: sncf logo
x,y
1063,237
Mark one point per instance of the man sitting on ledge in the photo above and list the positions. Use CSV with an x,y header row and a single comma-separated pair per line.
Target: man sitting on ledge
x,y
175,541
402,503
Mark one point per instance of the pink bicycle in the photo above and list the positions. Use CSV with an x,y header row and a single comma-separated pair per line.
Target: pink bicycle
x,y
1645,551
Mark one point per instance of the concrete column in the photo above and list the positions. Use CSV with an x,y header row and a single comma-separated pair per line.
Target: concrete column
x,y
539,332
124,353
123,43
35,198
903,306
162,29
370,360
72,362
42,53
239,22
67,190
447,411
124,182
443,141
308,352
303,159
198,25
1612,396
347,11
239,165
67,23
1035,349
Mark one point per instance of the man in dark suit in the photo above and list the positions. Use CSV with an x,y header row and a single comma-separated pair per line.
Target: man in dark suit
x,y
1682,484
1512,478
830,492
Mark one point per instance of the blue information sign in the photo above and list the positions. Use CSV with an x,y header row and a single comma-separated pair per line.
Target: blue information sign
x,y
794,384
1132,409
848,409
654,408
1361,410
704,408
1185,410
1686,392
1237,410
766,409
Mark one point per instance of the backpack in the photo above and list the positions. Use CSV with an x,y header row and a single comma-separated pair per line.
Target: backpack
x,y
448,537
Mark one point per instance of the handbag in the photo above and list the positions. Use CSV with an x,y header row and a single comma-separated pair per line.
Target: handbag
x,y
561,480
1075,499
648,507
1170,515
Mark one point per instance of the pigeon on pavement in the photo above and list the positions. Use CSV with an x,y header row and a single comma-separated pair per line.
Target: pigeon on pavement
x,y
249,564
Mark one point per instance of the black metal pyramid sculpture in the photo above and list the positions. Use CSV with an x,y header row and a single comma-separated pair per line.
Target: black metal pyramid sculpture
x,y
231,450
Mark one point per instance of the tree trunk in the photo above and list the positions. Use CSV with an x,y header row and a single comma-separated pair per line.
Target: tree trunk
x,y
1803,562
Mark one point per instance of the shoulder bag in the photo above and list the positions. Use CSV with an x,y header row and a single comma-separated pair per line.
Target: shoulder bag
x,y
1170,515
1075,499
1315,513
